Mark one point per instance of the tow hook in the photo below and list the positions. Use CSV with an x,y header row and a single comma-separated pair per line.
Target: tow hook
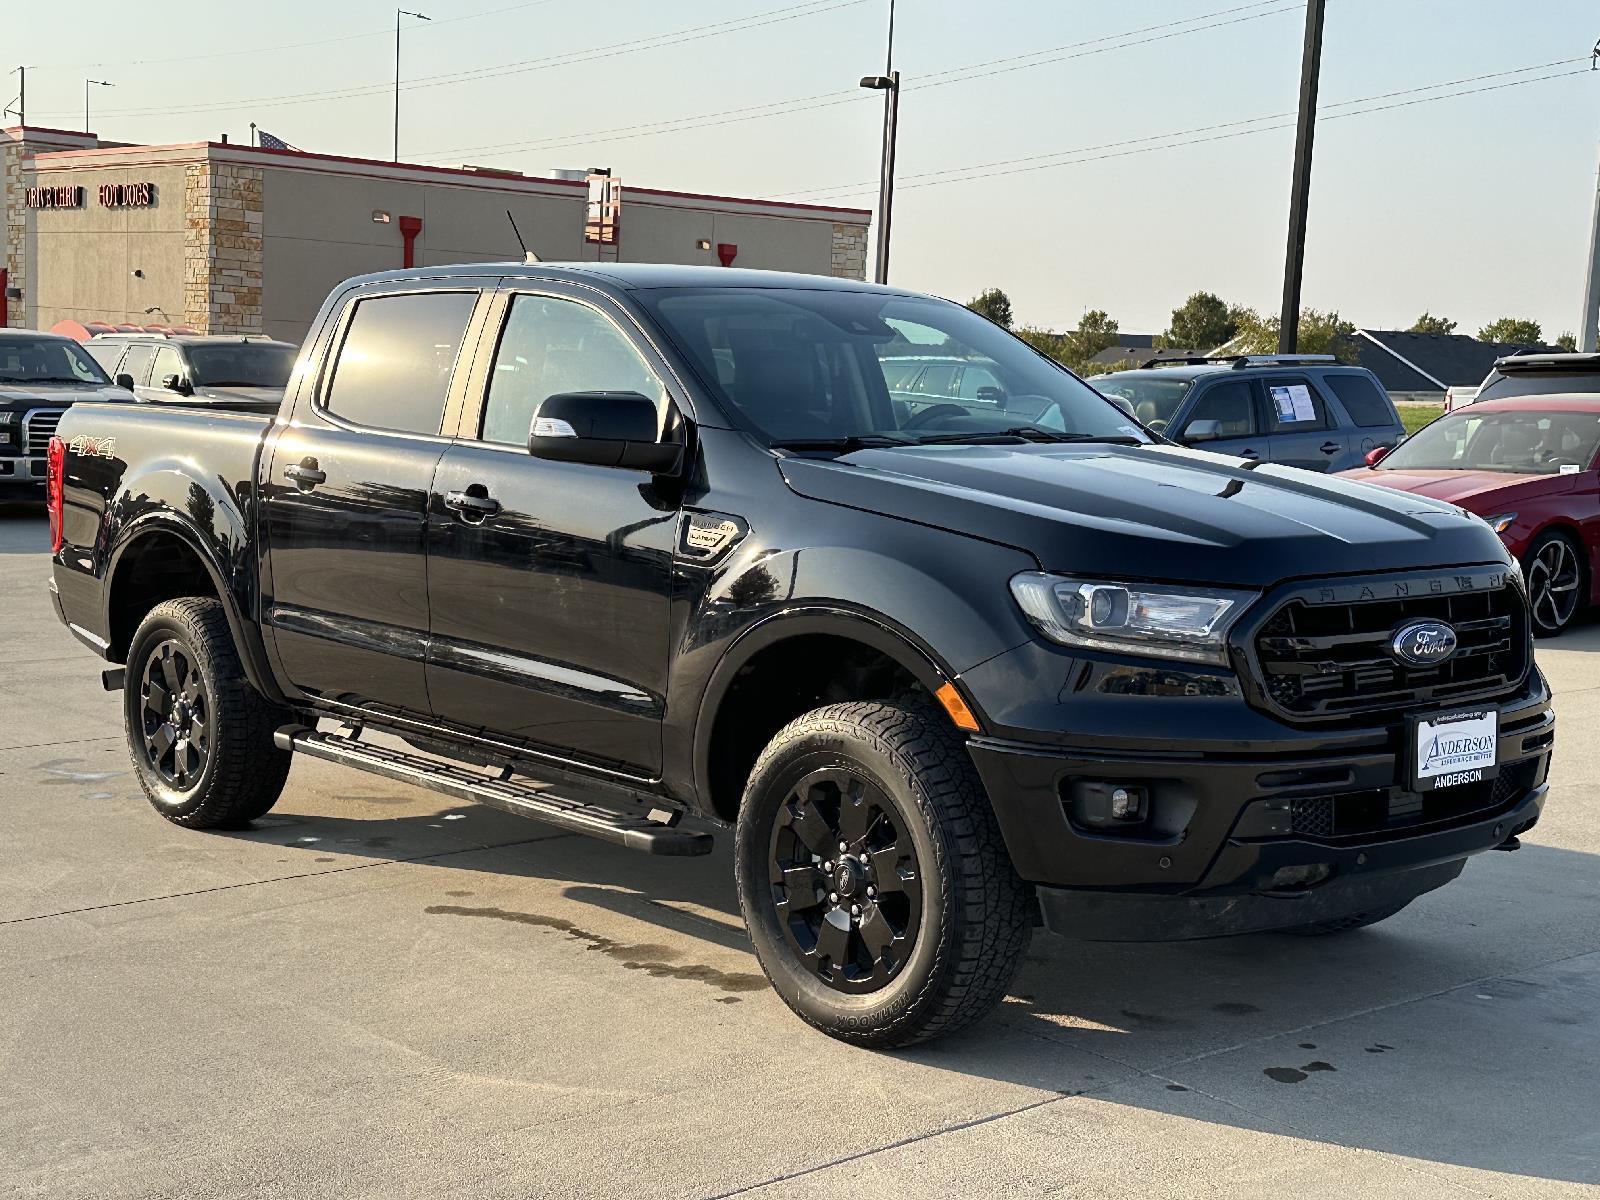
x,y
112,680
1511,843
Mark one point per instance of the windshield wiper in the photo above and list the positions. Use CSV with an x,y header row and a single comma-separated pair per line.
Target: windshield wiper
x,y
863,441
43,379
1027,433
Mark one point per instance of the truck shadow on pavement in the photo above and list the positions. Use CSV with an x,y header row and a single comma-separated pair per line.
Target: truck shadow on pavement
x,y
1461,1032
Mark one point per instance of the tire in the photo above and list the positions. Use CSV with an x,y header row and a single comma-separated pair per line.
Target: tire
x,y
1347,924
1557,582
204,755
942,920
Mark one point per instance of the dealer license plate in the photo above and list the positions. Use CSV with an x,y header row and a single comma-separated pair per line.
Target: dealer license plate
x,y
1455,749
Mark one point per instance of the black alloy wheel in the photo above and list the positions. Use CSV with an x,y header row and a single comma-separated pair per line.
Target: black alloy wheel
x,y
177,715
845,880
1555,583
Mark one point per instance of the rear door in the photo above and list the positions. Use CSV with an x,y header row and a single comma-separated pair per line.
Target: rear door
x,y
1304,432
1373,421
346,497
551,582
1233,405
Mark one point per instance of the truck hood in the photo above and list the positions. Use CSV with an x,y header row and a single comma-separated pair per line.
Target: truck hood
x,y
1482,492
34,395
1151,512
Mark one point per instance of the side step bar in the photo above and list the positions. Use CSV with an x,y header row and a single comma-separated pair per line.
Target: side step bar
x,y
637,829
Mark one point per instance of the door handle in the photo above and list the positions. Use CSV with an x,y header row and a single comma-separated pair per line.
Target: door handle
x,y
1330,447
471,507
305,473
1250,454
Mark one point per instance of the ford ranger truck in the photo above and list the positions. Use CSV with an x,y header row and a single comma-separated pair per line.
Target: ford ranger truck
x,y
647,551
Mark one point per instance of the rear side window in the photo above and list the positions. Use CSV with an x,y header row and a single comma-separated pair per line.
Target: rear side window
x,y
393,370
137,363
1294,406
105,353
1361,398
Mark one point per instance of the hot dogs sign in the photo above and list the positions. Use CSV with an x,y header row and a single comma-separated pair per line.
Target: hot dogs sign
x,y
110,195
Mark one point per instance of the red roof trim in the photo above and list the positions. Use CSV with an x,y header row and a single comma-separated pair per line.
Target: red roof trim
x,y
26,129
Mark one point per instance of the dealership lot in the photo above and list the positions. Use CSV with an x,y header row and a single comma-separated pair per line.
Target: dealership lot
x,y
376,992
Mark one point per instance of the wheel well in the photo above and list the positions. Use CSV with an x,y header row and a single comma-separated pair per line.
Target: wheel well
x,y
159,566
779,683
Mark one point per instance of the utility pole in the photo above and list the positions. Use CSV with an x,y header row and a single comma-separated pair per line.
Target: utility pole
x,y
86,85
889,85
22,96
1300,193
398,13
1589,327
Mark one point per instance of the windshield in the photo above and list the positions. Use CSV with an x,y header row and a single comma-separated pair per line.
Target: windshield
x,y
241,364
1154,397
1537,383
47,360
1524,442
803,366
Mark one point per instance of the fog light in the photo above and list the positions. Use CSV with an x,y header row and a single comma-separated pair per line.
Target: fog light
x,y
1127,805
1101,804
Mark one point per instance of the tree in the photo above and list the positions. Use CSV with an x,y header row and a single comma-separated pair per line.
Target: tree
x,y
1567,342
994,304
1319,333
1045,342
1517,331
1096,331
1203,322
1428,323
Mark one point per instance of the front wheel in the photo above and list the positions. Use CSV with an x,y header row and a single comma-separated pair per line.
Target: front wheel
x,y
873,877
1555,575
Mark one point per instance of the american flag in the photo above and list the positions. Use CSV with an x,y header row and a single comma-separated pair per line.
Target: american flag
x,y
269,142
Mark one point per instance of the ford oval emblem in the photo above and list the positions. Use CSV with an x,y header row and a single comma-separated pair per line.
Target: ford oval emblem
x,y
1424,643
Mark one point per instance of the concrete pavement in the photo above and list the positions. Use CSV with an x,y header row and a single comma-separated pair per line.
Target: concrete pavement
x,y
377,993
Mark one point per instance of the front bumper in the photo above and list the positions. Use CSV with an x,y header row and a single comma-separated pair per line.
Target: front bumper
x,y
1226,850
21,475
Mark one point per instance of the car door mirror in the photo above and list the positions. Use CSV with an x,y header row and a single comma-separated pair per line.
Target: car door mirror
x,y
1376,455
176,383
602,429
124,381
1202,431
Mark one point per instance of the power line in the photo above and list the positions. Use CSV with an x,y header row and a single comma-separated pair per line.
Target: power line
x,y
961,74
524,66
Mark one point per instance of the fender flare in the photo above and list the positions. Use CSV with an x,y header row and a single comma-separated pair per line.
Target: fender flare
x,y
245,637
867,628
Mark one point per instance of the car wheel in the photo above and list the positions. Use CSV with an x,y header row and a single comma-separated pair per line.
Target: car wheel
x,y
1346,924
1555,575
873,877
199,734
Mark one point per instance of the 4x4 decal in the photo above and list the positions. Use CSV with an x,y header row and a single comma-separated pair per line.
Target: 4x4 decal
x,y
93,447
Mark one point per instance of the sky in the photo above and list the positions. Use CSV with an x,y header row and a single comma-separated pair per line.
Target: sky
x,y
1079,155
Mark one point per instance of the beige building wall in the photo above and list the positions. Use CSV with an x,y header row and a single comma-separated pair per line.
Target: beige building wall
x,y
18,232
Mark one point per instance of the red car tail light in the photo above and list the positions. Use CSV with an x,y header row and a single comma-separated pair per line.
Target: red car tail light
x,y
54,490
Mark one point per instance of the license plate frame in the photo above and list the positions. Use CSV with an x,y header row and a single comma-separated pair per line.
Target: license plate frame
x,y
1432,768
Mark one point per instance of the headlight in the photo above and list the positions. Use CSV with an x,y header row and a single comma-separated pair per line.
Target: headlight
x,y
1501,523
1187,622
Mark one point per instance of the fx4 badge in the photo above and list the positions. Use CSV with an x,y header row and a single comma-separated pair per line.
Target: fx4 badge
x,y
706,535
93,447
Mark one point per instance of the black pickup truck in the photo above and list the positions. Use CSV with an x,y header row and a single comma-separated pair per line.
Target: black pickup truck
x,y
40,375
608,545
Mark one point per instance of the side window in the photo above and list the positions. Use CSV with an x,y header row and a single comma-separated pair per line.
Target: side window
x,y
106,354
1232,404
551,345
974,379
137,363
936,380
1361,399
1294,406
168,362
393,369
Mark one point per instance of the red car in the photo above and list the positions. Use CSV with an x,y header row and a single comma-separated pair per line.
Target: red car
x,y
1527,465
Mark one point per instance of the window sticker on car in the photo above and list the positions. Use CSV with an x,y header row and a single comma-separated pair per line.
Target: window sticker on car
x,y
1294,403
1570,468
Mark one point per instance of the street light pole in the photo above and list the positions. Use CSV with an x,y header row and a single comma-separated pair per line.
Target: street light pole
x,y
398,13
22,95
86,84
1300,194
889,85
1589,327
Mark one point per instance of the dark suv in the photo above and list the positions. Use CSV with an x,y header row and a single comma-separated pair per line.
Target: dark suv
x,y
242,372
1304,411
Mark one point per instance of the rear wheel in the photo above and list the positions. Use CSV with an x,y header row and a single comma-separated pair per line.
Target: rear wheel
x,y
1556,579
873,878
199,734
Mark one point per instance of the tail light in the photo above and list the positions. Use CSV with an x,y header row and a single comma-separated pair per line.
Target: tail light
x,y
54,489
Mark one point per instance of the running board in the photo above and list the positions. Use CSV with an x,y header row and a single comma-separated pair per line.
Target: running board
x,y
654,831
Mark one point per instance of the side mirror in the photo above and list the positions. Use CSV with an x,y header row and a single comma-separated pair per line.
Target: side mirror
x,y
176,383
124,381
1377,454
602,429
1202,431
992,395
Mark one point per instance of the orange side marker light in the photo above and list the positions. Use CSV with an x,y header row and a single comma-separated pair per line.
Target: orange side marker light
x,y
957,708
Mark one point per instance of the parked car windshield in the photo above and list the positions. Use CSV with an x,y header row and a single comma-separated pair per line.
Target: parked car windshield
x,y
241,364
47,360
1524,442
798,365
1537,383
1155,397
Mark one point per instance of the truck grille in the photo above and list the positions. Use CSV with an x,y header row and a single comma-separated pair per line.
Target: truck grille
x,y
38,427
1354,814
1326,660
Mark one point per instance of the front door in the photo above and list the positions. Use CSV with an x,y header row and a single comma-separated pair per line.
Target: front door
x,y
346,498
1232,404
550,581
1304,433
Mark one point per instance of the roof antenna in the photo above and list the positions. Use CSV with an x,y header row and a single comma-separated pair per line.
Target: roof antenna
x,y
528,256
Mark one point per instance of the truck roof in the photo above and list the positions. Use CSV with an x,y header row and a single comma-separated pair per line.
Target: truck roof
x,y
636,275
